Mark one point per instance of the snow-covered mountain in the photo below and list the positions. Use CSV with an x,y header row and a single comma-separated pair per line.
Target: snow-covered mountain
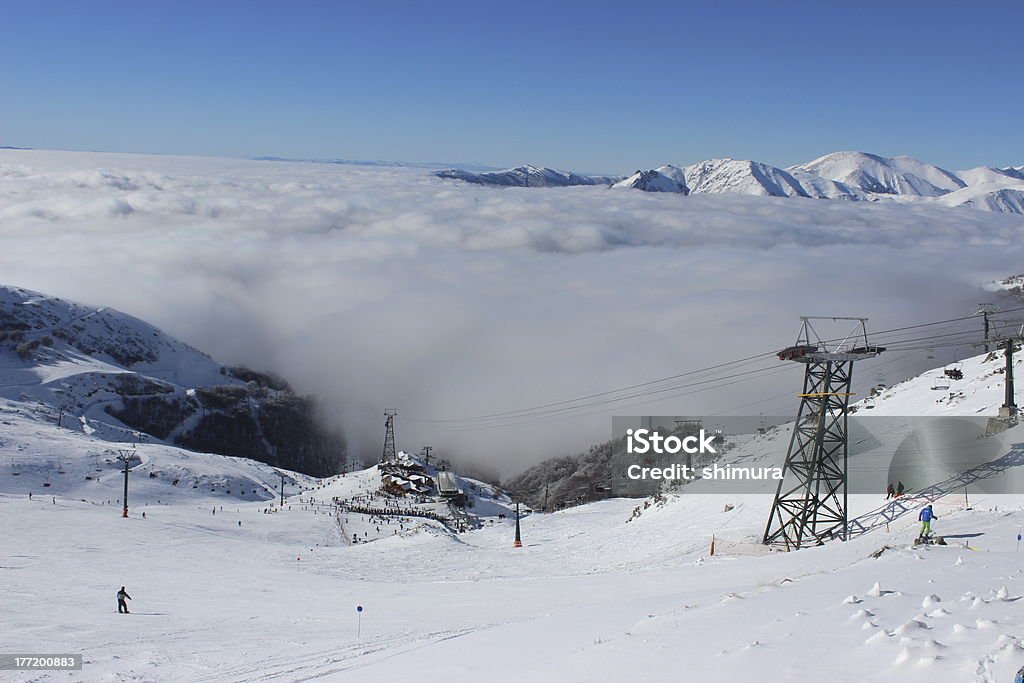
x,y
102,372
988,197
731,176
847,176
982,175
883,175
653,181
721,176
990,189
525,176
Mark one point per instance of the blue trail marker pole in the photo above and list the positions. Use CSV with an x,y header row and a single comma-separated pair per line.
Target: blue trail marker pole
x,y
1018,541
359,620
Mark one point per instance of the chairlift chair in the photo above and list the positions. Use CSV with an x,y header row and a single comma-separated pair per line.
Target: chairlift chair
x,y
940,384
956,368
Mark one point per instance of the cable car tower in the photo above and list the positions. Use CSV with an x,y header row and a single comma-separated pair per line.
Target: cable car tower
x,y
389,455
810,501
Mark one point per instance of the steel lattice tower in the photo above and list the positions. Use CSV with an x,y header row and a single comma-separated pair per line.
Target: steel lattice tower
x,y
389,437
810,501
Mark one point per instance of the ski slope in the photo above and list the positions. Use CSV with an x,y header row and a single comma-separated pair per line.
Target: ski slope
x,y
225,590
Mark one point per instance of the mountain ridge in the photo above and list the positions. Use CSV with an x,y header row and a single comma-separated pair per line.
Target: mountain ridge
x,y
848,176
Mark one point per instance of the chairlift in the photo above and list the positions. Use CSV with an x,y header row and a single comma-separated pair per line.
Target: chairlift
x,y
940,384
956,368
869,403
931,353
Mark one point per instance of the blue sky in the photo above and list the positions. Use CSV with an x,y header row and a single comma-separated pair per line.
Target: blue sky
x,y
592,86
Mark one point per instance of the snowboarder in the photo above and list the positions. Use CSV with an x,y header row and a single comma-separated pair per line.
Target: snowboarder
x,y
899,489
926,517
122,606
890,492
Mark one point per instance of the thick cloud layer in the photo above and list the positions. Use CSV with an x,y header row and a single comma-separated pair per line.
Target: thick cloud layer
x,y
390,288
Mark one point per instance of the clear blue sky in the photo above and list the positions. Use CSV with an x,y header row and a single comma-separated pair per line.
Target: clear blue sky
x,y
592,86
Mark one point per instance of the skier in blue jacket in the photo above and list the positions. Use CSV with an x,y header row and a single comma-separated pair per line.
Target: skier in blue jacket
x,y
926,517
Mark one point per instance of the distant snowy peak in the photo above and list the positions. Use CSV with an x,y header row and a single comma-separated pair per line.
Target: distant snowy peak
x,y
525,176
883,175
988,197
654,181
983,175
720,176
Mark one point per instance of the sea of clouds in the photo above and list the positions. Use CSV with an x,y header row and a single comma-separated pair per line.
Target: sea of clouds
x,y
381,287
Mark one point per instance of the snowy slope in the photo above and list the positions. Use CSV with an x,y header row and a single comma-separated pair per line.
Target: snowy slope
x,y
980,392
232,587
106,373
596,594
105,335
883,175
825,188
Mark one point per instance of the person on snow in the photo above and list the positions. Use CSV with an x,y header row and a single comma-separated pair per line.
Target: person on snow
x,y
926,517
890,492
899,489
122,606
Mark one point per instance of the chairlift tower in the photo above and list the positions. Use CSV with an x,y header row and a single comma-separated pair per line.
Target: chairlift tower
x,y
125,456
389,454
985,310
811,499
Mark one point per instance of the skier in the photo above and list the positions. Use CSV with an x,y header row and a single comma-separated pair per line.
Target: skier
x,y
890,492
122,606
899,489
926,517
